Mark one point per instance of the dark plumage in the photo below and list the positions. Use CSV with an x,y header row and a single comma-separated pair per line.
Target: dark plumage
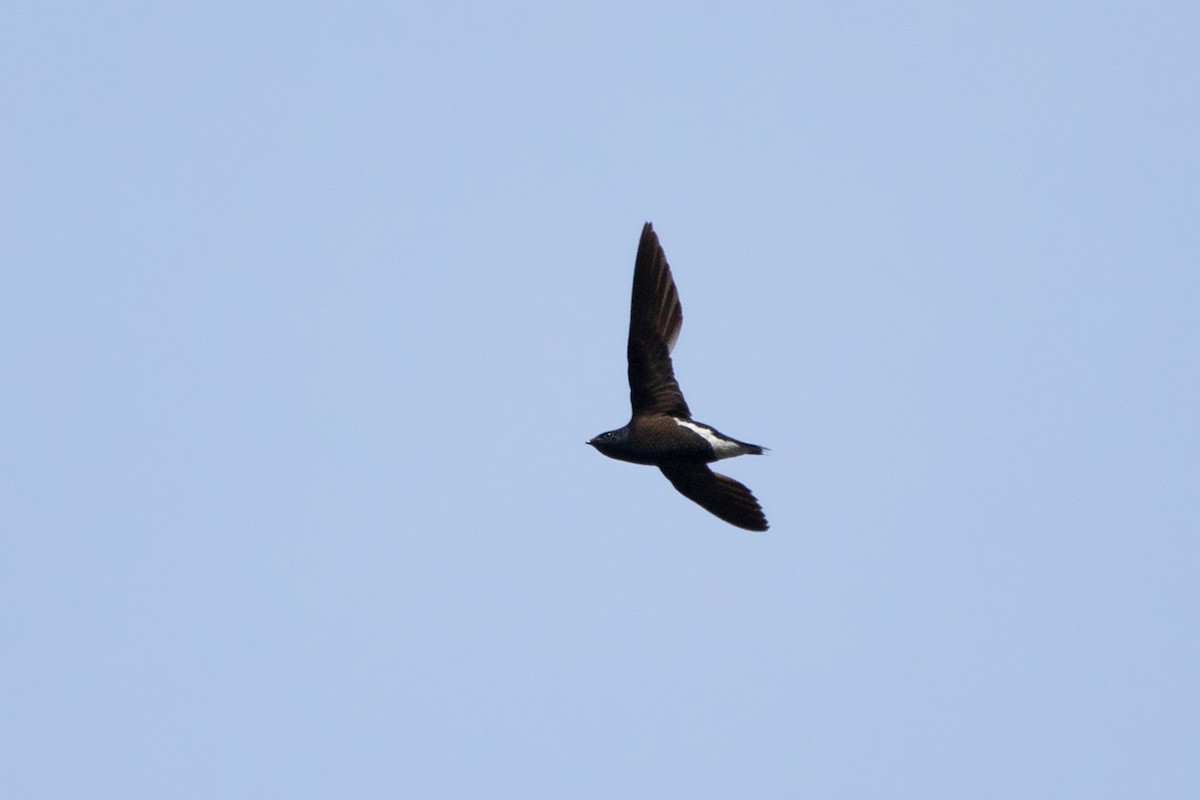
x,y
661,431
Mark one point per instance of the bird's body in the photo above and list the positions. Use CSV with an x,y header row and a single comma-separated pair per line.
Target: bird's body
x,y
662,438
661,431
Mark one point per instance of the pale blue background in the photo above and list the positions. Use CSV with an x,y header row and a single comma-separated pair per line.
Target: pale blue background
x,y
306,310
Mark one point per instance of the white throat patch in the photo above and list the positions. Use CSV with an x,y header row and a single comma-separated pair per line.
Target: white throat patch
x,y
722,448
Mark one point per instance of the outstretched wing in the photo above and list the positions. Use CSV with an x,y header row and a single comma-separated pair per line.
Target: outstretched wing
x,y
718,494
655,317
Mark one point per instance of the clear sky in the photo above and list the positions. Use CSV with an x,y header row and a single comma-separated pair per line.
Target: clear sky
x,y
307,309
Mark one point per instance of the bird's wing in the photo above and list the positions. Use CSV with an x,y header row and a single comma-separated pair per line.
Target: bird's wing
x,y
655,317
718,494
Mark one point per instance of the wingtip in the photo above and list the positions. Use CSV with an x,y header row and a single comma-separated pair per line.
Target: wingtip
x,y
758,525
753,527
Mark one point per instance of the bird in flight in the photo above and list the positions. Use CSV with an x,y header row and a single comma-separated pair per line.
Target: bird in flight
x,y
661,431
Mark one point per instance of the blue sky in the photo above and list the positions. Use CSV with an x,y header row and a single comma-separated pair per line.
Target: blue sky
x,y
306,311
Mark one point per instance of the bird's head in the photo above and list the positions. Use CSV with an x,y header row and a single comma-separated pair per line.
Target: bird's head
x,y
609,440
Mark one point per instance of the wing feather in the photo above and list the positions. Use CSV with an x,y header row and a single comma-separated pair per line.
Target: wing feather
x,y
717,494
655,319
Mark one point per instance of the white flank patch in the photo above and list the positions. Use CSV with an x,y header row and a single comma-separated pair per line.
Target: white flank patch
x,y
722,448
